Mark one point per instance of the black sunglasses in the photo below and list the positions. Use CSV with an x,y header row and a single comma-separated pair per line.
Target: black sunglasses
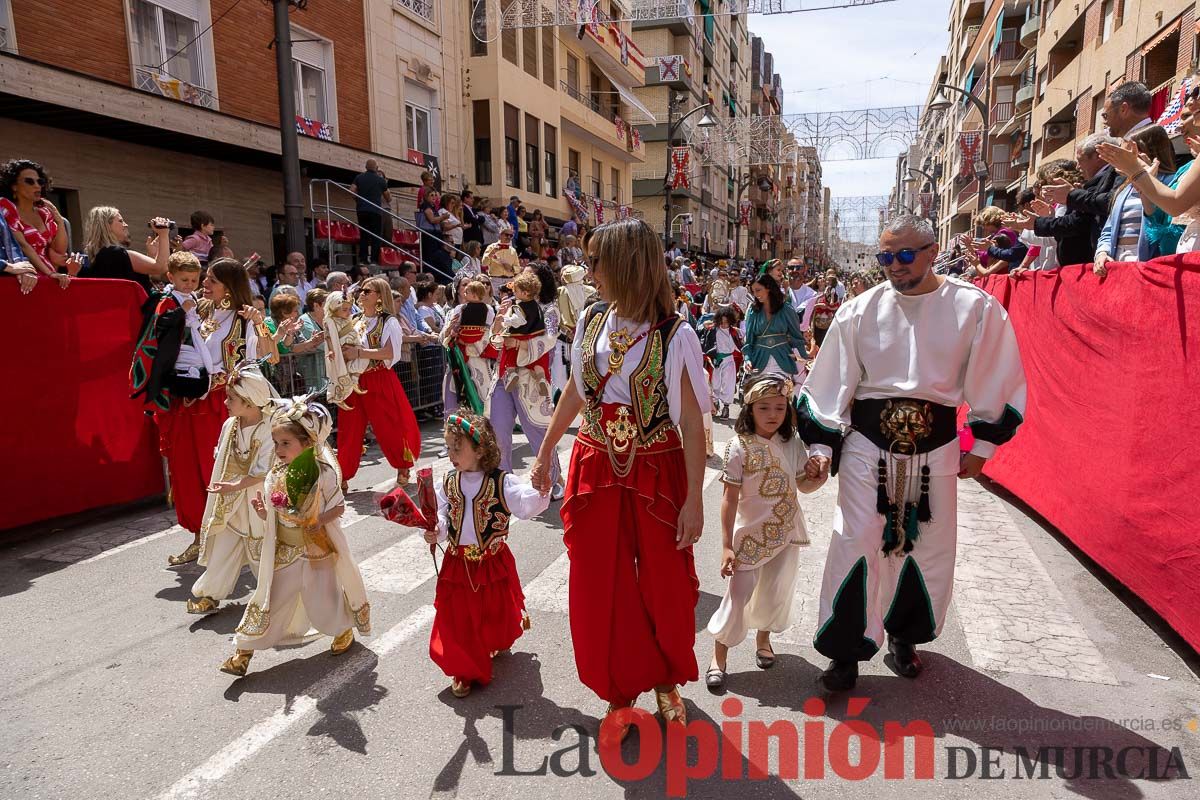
x,y
34,181
906,256
1192,93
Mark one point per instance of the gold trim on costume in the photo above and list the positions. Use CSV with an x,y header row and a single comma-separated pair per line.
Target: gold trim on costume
x,y
777,485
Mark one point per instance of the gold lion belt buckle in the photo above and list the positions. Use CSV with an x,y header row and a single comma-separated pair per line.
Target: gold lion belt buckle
x,y
903,425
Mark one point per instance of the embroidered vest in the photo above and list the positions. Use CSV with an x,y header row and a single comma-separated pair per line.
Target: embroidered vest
x,y
375,337
647,382
233,346
488,509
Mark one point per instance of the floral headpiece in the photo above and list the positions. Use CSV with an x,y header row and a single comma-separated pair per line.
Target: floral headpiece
x,y
310,415
247,381
769,386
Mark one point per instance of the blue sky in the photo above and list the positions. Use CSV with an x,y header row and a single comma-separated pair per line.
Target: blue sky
x,y
837,60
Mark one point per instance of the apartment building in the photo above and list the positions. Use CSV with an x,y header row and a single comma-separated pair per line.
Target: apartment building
x,y
697,54
551,113
166,106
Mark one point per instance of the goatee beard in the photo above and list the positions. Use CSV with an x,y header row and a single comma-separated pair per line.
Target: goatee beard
x,y
904,286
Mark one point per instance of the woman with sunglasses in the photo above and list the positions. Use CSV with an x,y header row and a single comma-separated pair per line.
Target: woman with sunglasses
x,y
880,409
383,402
35,223
774,340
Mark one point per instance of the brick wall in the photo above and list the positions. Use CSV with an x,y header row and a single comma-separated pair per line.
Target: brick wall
x,y
48,32
1186,41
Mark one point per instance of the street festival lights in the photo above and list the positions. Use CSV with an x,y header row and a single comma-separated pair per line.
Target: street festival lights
x,y
706,121
942,103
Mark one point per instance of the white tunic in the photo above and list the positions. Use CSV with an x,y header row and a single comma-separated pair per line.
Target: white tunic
x,y
950,346
684,358
524,502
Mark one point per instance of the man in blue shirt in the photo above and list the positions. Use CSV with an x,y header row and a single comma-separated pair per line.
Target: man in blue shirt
x,y
514,203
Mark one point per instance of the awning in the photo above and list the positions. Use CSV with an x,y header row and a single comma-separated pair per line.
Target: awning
x,y
629,97
1161,37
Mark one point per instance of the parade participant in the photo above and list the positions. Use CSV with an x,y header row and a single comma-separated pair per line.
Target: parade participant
x,y
470,352
382,402
896,364
165,352
722,345
573,296
634,504
230,332
341,331
762,526
773,337
479,602
500,260
314,580
819,313
775,269
547,298
520,391
232,534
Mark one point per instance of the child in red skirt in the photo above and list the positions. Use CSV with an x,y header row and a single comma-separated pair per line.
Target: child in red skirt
x,y
479,602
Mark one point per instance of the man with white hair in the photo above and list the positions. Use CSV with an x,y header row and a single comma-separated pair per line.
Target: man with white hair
x,y
879,406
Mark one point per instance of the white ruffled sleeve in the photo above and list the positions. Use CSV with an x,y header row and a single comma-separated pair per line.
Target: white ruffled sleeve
x,y
734,458
522,499
443,510
394,336
251,340
994,386
684,360
577,357
832,381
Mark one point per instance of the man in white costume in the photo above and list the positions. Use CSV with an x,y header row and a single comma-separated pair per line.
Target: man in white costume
x,y
880,407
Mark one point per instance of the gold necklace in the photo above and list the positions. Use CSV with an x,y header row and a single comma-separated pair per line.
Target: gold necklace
x,y
620,341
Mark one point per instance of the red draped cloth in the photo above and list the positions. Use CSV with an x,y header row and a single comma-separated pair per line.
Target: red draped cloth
x,y
73,440
1109,452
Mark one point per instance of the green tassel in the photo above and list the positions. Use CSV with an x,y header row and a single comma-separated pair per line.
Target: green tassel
x,y
889,530
911,527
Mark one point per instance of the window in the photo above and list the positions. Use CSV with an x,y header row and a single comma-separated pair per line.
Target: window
x,y
508,37
478,34
615,174
596,192
8,37
532,161
512,146
166,49
595,91
550,147
481,112
312,59
1109,19
573,74
574,169
548,37
529,50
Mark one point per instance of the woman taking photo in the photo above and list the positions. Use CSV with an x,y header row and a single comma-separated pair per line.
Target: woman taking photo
x,y
383,402
230,331
773,337
633,506
33,221
106,242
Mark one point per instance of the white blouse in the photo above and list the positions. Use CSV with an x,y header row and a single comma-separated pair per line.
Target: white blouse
x,y
684,358
522,499
392,334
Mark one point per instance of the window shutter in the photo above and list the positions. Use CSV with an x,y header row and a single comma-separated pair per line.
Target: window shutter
x,y
1091,24
1133,67
1083,112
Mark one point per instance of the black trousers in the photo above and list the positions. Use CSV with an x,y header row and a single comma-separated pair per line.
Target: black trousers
x,y
371,223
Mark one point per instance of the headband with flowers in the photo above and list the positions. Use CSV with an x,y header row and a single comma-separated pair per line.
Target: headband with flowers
x,y
769,386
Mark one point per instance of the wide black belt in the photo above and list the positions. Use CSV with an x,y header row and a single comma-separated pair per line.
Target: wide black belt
x,y
905,425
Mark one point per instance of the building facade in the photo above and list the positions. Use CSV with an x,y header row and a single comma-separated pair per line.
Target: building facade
x,y
162,107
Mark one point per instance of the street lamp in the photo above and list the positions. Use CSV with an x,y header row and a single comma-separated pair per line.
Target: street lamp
x,y
706,121
941,103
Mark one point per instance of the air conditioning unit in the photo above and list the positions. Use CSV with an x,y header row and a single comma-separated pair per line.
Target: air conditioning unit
x,y
1058,130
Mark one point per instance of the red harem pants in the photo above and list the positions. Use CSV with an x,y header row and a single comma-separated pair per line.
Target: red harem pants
x,y
479,606
386,407
632,593
188,436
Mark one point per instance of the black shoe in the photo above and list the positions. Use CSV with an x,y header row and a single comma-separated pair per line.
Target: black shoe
x,y
908,663
840,677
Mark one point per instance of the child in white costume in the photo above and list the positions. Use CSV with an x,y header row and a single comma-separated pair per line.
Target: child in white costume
x,y
315,579
232,534
341,330
762,524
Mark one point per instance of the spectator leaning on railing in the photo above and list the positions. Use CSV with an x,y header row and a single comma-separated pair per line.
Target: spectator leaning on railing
x,y
33,221
13,262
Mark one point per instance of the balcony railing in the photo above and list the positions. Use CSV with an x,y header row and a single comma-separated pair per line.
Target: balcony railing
x,y
422,8
662,9
1001,172
968,191
150,81
579,96
1002,112
3,38
1008,50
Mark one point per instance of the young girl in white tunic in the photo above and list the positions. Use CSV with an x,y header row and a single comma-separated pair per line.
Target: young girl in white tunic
x,y
762,524
232,534
315,580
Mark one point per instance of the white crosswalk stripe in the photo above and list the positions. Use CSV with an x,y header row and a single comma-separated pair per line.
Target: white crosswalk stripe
x,y
549,590
400,568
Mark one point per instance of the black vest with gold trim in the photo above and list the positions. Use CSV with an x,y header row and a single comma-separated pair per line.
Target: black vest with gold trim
x,y
488,509
375,337
647,381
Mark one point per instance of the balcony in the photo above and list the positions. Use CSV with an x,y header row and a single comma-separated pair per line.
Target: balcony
x,y
1001,113
1001,173
422,8
968,193
602,43
673,70
1029,32
147,80
1024,97
1008,50
4,45
674,15
579,96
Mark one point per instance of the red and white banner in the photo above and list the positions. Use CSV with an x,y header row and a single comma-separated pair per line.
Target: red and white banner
x,y
576,206
619,124
926,203
314,128
637,138
668,68
744,212
624,212
969,143
681,158
598,205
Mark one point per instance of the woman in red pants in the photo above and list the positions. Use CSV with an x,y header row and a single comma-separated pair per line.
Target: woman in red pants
x,y
633,506
222,332
383,403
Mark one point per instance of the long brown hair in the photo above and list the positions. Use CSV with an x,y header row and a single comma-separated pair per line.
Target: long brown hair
x,y
629,255
1154,143
383,292
230,273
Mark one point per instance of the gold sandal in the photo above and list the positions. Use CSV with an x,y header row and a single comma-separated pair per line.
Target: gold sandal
x,y
238,663
460,688
670,706
190,554
342,642
201,605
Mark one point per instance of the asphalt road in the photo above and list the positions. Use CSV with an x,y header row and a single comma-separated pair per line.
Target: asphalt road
x,y
113,691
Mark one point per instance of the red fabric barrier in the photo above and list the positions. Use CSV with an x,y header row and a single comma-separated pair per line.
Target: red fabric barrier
x,y
1110,450
73,440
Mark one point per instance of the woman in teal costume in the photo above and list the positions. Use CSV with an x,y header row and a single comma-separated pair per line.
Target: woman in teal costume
x,y
772,330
